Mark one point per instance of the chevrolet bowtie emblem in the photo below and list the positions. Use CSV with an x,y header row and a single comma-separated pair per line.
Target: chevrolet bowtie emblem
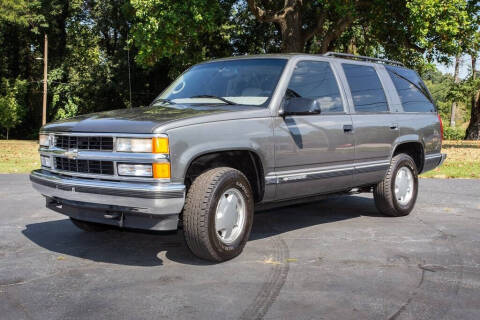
x,y
71,154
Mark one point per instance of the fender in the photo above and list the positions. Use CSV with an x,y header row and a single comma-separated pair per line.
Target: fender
x,y
406,139
190,155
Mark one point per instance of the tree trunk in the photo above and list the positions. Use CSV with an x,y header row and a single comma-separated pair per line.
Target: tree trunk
x,y
473,130
7,133
292,33
457,80
290,21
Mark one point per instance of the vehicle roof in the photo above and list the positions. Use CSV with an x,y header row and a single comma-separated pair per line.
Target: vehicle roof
x,y
264,56
289,56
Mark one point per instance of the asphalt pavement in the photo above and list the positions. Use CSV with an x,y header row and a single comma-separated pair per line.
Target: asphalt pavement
x,y
332,259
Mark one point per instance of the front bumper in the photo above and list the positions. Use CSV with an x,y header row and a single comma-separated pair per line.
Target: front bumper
x,y
100,200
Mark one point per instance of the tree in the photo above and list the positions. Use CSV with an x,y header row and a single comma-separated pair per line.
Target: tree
x,y
440,86
187,31
457,80
23,13
94,44
473,130
248,35
300,21
395,28
11,110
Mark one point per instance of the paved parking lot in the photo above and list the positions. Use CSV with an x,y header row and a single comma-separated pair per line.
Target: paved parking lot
x,y
333,259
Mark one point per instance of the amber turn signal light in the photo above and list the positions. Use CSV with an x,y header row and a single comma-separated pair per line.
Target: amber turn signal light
x,y
160,145
161,170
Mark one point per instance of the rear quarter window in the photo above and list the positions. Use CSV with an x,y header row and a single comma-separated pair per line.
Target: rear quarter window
x,y
412,91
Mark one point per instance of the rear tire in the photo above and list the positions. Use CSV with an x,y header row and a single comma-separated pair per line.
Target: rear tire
x,y
218,214
89,226
396,195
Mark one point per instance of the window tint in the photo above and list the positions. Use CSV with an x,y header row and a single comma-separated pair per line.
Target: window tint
x,y
366,88
315,80
412,91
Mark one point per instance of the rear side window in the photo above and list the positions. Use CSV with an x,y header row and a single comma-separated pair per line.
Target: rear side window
x,y
315,80
366,88
411,89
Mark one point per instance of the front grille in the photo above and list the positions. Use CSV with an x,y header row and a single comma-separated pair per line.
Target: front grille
x,y
84,166
84,143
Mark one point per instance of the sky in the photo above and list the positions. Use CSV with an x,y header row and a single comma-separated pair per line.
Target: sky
x,y
464,67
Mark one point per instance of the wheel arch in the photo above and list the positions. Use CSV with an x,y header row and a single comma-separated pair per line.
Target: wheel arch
x,y
414,148
246,160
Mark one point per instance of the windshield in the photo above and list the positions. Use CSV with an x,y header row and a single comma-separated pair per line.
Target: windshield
x,y
243,81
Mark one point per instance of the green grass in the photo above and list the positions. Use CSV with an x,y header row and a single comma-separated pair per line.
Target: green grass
x,y
463,161
455,169
18,156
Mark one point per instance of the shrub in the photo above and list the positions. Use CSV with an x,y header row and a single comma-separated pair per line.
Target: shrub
x,y
11,106
454,133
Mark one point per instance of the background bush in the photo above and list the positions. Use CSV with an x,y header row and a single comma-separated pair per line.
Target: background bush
x,y
454,133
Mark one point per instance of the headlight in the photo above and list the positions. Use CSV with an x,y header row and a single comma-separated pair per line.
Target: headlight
x,y
155,145
45,161
44,140
135,170
134,145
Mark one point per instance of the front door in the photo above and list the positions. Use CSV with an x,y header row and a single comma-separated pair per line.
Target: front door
x,y
314,154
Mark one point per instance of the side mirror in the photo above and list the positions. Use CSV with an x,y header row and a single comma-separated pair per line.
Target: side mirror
x,y
297,106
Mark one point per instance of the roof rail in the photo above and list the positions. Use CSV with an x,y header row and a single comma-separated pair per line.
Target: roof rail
x,y
362,58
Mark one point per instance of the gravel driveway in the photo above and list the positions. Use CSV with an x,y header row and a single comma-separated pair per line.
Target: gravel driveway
x,y
333,259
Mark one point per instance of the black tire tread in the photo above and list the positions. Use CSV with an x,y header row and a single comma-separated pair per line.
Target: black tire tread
x,y
195,212
382,193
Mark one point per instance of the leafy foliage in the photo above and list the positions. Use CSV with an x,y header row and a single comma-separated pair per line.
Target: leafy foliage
x,y
170,28
439,86
11,106
24,13
450,133
109,54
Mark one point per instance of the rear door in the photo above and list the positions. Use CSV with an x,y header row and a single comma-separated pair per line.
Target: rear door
x,y
375,127
313,153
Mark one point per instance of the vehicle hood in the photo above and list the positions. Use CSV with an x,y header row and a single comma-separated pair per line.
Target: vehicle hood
x,y
137,120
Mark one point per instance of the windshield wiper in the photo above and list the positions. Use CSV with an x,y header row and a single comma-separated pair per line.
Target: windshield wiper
x,y
214,97
162,100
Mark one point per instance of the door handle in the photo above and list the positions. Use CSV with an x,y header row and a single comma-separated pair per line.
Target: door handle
x,y
347,128
394,126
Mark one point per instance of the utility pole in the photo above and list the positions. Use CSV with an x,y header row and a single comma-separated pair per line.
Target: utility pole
x,y
45,73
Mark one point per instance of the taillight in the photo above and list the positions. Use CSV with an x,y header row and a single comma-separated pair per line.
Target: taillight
x,y
441,125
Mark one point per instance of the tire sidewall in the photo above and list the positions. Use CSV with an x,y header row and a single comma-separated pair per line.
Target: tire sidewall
x,y
236,181
405,161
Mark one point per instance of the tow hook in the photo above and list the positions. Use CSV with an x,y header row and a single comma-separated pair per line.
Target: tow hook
x,y
119,216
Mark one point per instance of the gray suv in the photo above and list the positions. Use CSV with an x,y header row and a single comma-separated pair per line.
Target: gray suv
x,y
233,135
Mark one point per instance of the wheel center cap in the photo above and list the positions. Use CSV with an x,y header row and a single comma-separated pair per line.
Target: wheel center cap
x,y
230,215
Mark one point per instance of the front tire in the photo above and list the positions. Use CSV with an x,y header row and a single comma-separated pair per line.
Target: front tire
x,y
397,193
218,214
